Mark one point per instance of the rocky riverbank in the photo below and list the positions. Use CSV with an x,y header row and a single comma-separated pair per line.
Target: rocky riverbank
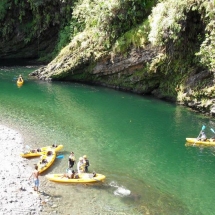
x,y
17,195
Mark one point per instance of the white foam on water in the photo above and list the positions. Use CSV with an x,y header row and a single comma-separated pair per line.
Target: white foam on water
x,y
120,191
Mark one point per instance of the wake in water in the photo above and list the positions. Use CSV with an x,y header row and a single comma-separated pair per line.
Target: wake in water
x,y
120,191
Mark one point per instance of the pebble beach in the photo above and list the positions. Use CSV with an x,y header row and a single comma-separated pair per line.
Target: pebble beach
x,y
17,195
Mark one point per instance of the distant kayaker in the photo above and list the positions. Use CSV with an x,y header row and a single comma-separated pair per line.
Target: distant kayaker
x,y
35,175
20,79
86,163
71,160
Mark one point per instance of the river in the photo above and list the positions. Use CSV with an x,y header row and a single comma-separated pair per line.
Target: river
x,y
138,142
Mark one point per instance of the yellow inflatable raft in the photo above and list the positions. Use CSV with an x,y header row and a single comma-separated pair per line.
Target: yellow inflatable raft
x,y
83,178
41,151
195,141
46,160
20,83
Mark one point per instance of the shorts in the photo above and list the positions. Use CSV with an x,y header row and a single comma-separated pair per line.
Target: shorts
x,y
71,163
36,182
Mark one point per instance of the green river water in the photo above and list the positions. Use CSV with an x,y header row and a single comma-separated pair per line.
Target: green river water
x,y
137,142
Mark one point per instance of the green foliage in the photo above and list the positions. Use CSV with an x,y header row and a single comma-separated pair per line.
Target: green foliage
x,y
166,21
136,37
97,24
4,6
63,39
207,49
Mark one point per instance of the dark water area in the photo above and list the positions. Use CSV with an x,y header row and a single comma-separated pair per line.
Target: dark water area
x,y
137,142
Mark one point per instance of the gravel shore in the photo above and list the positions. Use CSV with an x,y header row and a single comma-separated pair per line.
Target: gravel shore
x,y
17,195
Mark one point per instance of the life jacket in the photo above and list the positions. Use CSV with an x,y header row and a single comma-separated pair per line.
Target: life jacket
x,y
82,166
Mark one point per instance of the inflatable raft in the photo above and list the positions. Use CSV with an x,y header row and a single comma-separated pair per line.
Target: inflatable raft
x,y
46,160
41,151
208,142
83,178
20,83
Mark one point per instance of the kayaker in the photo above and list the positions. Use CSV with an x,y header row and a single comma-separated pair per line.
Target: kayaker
x,y
20,79
94,174
54,146
70,174
86,163
202,136
80,165
35,150
35,175
71,160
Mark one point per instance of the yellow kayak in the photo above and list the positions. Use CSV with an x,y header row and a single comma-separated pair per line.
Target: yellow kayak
x,y
40,151
20,83
83,178
193,141
46,160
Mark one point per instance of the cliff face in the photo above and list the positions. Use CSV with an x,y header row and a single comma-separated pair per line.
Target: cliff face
x,y
165,50
30,29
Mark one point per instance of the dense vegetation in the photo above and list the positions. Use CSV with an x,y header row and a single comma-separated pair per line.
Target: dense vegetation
x,y
95,31
28,21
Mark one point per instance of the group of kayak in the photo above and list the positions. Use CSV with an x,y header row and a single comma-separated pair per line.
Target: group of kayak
x,y
202,139
48,155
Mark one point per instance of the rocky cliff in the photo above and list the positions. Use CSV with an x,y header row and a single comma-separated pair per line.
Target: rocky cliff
x,y
164,48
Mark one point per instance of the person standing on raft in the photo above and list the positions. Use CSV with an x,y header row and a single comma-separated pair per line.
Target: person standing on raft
x,y
86,163
71,160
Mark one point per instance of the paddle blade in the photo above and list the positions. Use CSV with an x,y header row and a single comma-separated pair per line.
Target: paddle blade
x,y
27,147
203,127
212,130
60,156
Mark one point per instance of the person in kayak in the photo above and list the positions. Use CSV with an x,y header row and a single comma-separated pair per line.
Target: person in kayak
x,y
54,145
202,136
35,150
86,163
70,174
71,160
20,79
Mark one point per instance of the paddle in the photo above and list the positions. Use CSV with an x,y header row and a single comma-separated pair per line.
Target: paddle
x,y
212,130
60,156
203,128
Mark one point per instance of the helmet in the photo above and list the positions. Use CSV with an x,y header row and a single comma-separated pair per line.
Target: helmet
x,y
85,156
80,158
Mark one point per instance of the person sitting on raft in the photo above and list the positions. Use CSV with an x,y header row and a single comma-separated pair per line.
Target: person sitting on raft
x,y
20,79
44,161
49,153
70,174
54,145
202,136
35,150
